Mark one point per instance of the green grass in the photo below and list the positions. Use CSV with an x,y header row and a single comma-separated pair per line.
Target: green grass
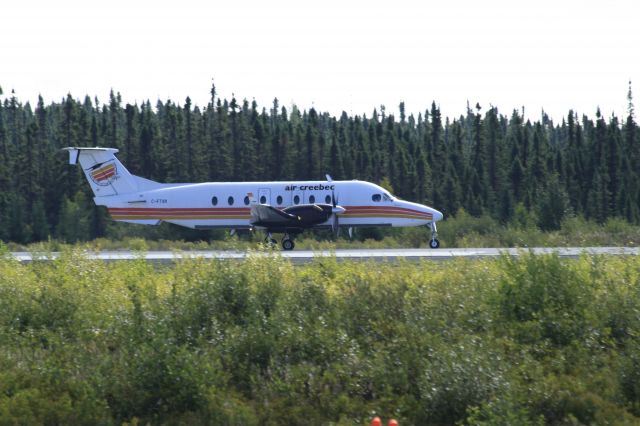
x,y
509,341
462,231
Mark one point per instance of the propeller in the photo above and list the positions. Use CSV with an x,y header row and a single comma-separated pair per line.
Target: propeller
x,y
335,211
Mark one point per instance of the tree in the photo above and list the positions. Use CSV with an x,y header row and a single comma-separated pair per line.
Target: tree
x,y
553,205
493,164
74,220
131,153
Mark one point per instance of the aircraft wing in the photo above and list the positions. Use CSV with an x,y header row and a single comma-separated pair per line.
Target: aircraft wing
x,y
265,215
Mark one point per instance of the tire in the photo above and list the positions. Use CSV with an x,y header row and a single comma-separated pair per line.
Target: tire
x,y
271,242
288,244
434,243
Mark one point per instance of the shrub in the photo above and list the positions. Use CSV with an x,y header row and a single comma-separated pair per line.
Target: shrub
x,y
265,342
543,297
465,374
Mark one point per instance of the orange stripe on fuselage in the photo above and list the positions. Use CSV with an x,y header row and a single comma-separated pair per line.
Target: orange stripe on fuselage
x,y
385,212
161,211
382,211
179,213
115,217
172,209
221,213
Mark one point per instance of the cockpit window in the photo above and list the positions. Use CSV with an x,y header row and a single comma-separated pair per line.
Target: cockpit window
x,y
387,197
376,197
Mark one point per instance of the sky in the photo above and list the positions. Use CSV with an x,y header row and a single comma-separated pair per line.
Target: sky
x,y
334,55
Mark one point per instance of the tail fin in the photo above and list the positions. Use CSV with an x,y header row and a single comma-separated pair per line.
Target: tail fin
x,y
105,173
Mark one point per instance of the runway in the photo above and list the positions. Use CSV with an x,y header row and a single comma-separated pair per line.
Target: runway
x,y
306,256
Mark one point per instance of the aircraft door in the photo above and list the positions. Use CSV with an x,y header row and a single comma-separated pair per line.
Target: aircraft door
x,y
264,196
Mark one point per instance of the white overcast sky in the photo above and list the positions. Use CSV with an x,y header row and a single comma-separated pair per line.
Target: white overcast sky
x,y
333,55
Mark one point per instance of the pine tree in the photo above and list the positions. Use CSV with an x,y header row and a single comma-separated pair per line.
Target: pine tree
x,y
630,162
115,111
5,180
479,180
223,143
189,175
310,145
598,202
148,135
494,160
248,143
436,156
537,166
335,165
131,153
601,181
553,205
423,176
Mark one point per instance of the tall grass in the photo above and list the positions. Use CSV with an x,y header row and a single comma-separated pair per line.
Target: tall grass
x,y
507,341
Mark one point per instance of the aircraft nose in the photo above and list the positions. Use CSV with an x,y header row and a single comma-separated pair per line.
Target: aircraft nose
x,y
437,215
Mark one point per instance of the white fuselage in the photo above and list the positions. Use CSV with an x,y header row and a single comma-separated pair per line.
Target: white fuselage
x,y
227,204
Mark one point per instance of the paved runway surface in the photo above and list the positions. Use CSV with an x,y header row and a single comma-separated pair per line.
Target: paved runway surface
x,y
305,256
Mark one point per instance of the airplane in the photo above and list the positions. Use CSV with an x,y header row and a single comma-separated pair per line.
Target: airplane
x,y
275,207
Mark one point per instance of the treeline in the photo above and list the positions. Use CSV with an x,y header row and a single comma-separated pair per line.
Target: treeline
x,y
485,162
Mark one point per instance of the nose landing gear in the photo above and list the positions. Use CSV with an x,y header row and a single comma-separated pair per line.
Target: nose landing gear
x,y
434,243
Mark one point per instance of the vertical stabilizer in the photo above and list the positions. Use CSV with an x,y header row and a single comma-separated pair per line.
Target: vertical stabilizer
x,y
105,173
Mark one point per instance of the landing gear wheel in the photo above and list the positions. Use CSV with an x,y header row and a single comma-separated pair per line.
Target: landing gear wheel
x,y
288,244
434,243
270,241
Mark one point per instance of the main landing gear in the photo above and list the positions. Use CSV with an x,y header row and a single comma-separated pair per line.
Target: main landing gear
x,y
287,241
434,243
269,240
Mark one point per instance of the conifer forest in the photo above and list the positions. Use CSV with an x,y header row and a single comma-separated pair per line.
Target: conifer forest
x,y
486,162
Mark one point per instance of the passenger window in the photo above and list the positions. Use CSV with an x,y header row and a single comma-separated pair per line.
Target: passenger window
x,y
230,201
214,201
312,199
279,199
376,197
263,200
296,199
327,199
246,200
